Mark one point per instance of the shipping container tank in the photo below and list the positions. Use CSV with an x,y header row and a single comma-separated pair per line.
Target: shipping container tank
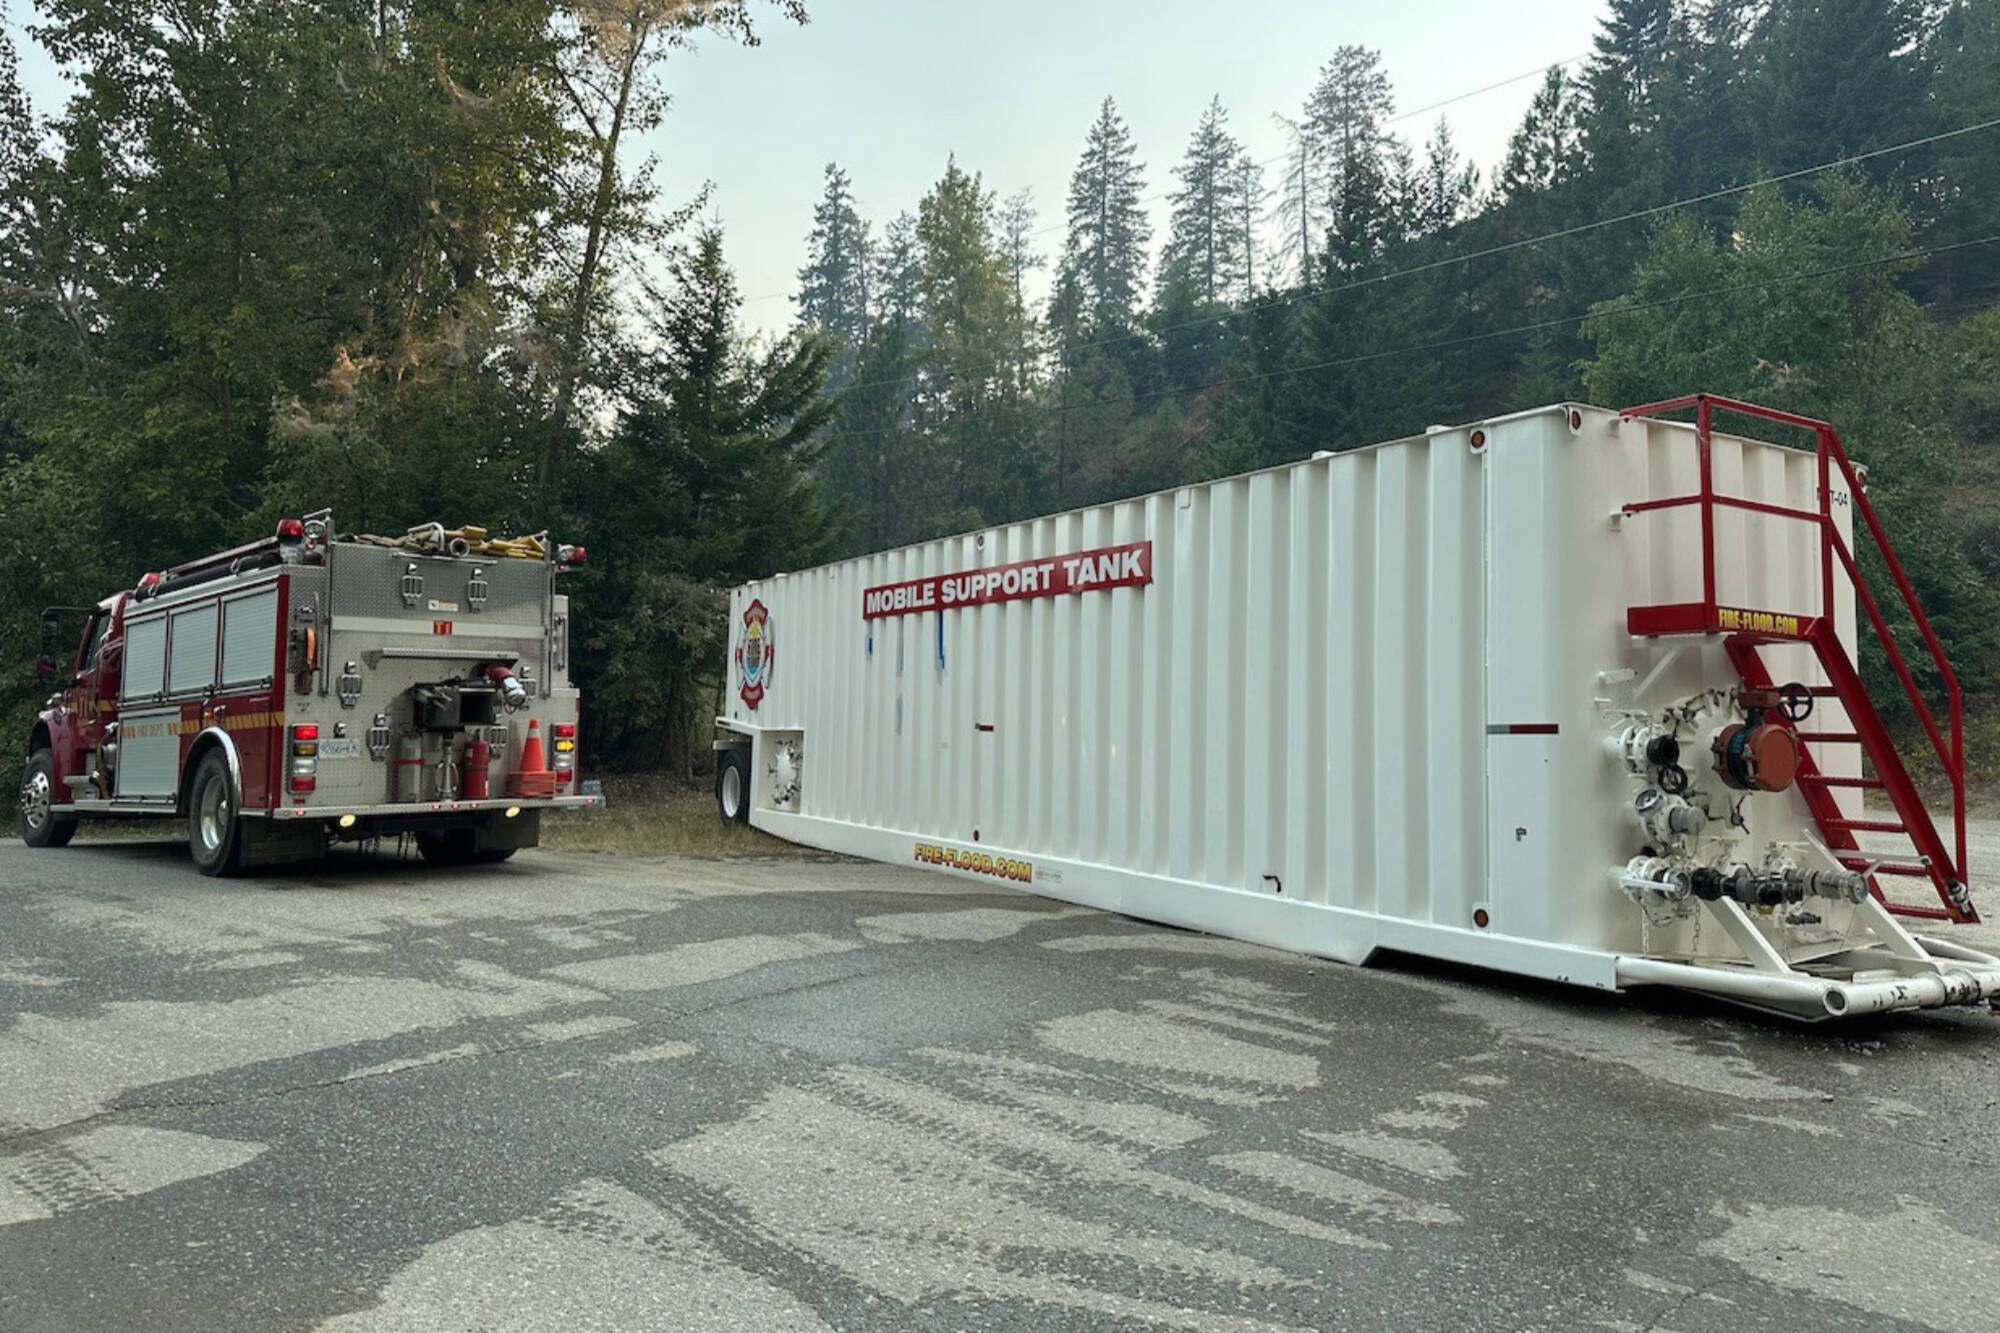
x,y
1569,693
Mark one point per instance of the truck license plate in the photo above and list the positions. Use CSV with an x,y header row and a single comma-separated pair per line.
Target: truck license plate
x,y
340,748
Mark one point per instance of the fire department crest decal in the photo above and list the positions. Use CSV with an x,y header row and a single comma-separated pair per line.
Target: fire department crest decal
x,y
755,655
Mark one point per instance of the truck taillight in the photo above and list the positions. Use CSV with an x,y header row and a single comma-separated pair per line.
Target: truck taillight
x,y
304,772
565,749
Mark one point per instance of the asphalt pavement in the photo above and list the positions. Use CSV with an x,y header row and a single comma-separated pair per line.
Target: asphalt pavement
x,y
588,1092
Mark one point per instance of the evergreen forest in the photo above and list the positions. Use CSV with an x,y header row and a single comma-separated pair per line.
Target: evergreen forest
x,y
404,259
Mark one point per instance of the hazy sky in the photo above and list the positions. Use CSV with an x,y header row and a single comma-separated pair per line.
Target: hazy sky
x,y
889,88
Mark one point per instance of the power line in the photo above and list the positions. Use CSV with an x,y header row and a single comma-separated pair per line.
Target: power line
x,y
1538,326
1273,161
1656,210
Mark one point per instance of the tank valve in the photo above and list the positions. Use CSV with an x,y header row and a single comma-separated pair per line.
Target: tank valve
x,y
1656,875
1643,747
510,687
1666,817
1737,882
1756,754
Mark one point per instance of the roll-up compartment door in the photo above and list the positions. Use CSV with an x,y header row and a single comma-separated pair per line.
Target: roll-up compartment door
x,y
249,638
191,648
145,673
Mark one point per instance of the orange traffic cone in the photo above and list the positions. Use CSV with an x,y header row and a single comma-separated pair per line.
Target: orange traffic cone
x,y
532,778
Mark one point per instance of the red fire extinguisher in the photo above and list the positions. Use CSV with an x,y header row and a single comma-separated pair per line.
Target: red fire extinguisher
x,y
478,768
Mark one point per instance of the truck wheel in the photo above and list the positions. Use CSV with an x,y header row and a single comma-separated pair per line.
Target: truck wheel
x,y
732,786
39,824
215,832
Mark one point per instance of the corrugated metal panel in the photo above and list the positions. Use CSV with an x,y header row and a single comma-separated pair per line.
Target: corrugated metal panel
x,y
250,638
149,753
191,648
1371,682
145,671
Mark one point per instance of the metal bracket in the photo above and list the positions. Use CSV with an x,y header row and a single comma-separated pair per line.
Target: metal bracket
x,y
349,685
1763,955
413,585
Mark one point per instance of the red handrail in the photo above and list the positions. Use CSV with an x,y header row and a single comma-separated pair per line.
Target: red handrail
x,y
1833,547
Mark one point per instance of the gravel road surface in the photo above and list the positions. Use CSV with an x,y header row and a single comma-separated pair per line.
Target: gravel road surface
x,y
589,1092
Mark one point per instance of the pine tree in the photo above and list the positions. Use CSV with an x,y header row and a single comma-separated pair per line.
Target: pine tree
x,y
1546,151
1206,236
1348,107
1963,187
1301,213
1447,185
1342,127
704,482
898,269
1017,243
1840,77
1105,253
975,337
1017,239
833,285
1626,68
1252,197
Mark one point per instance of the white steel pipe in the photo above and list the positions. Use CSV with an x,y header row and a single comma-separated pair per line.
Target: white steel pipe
x,y
1956,952
1811,997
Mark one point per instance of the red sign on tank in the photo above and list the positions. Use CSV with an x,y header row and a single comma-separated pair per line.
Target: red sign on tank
x,y
1127,566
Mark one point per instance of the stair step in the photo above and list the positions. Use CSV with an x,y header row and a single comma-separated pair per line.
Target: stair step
x,y
1868,825
1821,780
1920,912
1911,868
1831,737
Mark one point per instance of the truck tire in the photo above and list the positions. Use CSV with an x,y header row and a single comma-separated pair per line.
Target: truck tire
x,y
732,786
39,824
215,829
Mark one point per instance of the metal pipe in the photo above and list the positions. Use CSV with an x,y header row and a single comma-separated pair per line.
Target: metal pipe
x,y
1814,998
1956,952
1800,996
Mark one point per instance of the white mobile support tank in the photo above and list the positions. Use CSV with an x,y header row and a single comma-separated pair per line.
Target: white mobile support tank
x,y
1496,694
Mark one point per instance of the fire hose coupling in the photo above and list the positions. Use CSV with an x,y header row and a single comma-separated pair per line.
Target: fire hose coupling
x,y
1651,751
1840,886
510,687
1666,817
1656,875
1779,887
1644,746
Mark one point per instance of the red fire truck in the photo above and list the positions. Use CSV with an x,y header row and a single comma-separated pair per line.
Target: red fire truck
x,y
316,686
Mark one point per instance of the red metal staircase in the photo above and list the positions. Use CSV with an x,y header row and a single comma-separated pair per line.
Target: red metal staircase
x,y
1745,631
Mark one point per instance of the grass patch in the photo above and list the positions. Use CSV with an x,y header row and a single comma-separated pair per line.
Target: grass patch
x,y
649,815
